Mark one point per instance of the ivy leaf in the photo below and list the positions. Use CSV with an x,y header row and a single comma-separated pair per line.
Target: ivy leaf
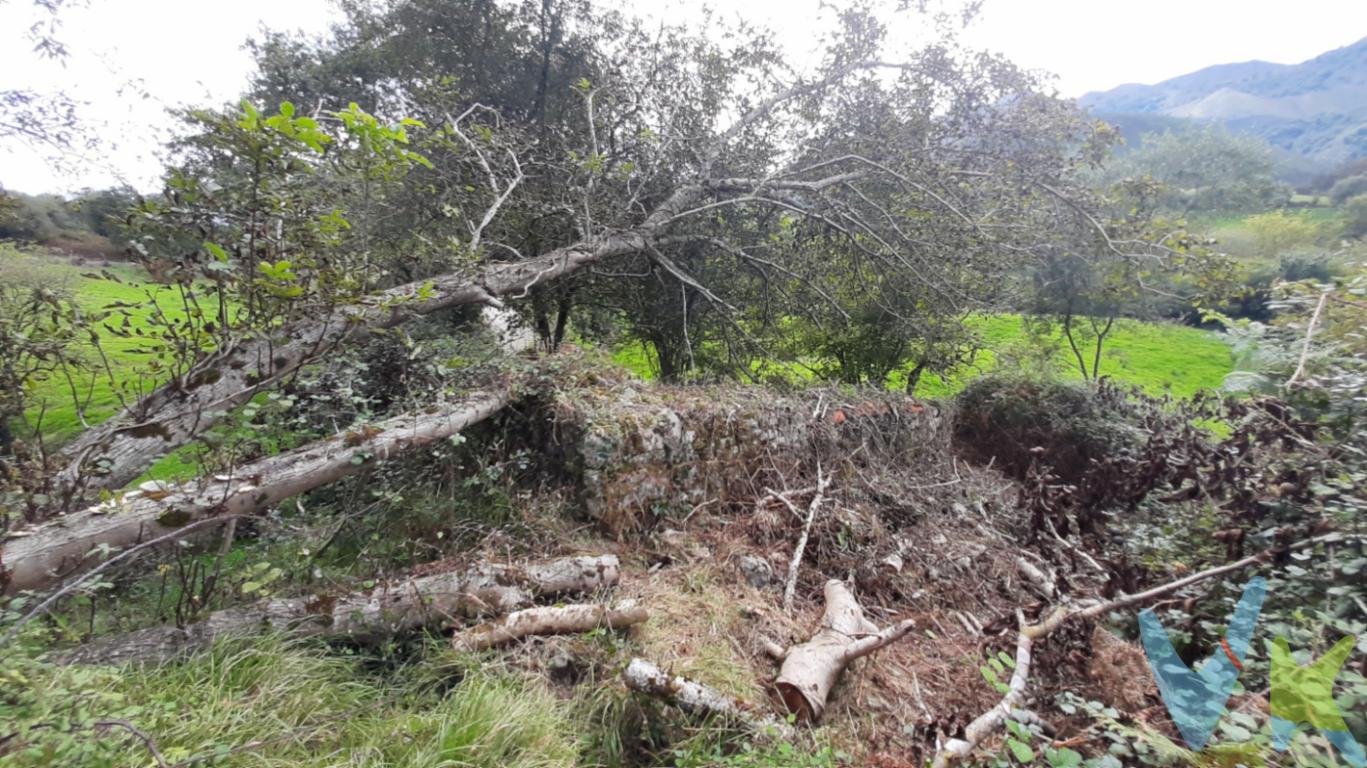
x,y
1021,751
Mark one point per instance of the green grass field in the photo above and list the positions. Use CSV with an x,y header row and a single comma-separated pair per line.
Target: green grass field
x,y
1161,358
54,409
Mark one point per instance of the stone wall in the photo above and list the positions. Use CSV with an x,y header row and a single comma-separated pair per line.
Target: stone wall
x,y
639,450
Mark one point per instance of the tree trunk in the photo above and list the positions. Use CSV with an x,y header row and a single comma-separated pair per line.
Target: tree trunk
x,y
562,317
113,454
810,670
380,612
555,620
42,556
914,377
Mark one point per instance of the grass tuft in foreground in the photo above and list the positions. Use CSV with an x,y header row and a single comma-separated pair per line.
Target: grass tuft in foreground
x,y
270,702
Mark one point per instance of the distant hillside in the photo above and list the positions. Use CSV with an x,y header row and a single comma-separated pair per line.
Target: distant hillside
x,y
1316,109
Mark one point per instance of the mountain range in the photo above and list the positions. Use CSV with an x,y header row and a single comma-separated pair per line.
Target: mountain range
x,y
1316,110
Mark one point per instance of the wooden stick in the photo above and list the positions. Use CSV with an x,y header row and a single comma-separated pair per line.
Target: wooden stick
x,y
790,589
1309,335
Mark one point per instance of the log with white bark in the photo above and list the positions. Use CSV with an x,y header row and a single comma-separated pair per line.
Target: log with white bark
x,y
383,611
111,455
554,620
810,670
42,556
697,699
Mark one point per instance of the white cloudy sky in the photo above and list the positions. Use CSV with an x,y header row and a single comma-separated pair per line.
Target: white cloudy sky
x,y
190,51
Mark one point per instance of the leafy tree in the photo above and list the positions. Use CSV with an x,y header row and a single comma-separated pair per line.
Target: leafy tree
x,y
48,218
103,212
1356,210
1082,287
691,187
1348,187
1277,232
265,220
39,218
1204,168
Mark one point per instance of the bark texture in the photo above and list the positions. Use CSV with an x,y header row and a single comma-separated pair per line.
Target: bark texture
x,y
380,612
42,556
555,620
810,670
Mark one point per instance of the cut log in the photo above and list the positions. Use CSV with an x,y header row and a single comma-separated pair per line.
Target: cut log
x,y
697,699
557,620
380,612
810,670
40,557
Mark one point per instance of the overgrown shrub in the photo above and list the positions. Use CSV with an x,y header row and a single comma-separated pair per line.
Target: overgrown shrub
x,y
1347,188
1002,419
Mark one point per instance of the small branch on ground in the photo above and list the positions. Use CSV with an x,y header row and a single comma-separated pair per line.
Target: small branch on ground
x,y
791,587
696,698
992,719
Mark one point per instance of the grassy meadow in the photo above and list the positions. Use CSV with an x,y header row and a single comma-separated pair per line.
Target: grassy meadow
x,y
1160,358
60,408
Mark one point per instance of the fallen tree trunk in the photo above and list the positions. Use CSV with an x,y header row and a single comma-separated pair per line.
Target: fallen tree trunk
x,y
810,670
697,699
114,453
380,612
42,556
556,620
111,455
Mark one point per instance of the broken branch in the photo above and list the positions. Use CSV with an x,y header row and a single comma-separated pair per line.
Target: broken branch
x,y
810,670
790,588
697,699
989,721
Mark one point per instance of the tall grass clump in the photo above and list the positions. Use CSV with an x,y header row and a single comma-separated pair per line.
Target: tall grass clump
x,y
272,703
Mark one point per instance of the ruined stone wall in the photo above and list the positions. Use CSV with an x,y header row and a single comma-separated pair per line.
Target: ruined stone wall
x,y
639,450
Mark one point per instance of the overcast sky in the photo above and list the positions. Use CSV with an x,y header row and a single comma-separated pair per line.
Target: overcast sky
x,y
178,52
